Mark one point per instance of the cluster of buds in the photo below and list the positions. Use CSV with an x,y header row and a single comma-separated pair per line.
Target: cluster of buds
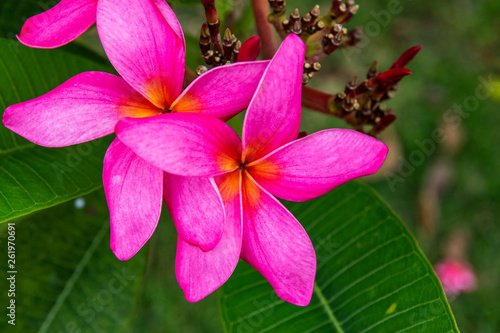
x,y
229,49
360,104
322,34
306,24
309,70
341,12
217,52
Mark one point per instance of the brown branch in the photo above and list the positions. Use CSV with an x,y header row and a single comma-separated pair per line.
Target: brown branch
x,y
264,28
189,76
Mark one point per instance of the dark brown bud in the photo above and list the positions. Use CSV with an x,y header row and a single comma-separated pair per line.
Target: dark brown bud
x,y
236,51
204,38
350,10
296,28
372,72
294,17
336,29
349,102
351,85
228,43
314,12
305,79
209,57
306,21
278,6
320,25
286,25
337,9
339,98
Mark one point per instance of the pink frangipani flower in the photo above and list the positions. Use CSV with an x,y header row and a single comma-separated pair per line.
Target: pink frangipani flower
x,y
456,277
269,161
144,42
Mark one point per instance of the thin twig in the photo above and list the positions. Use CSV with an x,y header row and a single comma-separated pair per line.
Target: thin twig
x,y
189,76
264,28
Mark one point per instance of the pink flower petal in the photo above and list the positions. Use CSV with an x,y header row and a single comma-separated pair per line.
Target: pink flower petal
x,y
171,19
276,245
184,144
309,167
456,277
59,25
223,91
200,273
273,117
84,108
196,209
143,48
133,190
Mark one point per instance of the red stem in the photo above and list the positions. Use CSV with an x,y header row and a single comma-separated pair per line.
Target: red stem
x,y
316,100
264,28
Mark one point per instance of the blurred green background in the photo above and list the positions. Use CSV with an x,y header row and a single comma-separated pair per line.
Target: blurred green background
x,y
448,194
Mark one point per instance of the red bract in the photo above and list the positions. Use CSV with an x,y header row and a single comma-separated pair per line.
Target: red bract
x,y
250,49
406,57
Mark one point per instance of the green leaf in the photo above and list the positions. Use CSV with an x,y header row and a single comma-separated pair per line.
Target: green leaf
x,y
13,14
34,177
371,275
67,279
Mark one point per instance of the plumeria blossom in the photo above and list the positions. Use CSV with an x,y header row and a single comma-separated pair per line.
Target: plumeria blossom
x,y
144,42
269,161
456,277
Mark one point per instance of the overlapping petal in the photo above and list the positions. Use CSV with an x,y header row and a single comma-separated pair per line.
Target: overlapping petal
x,y
200,273
309,167
133,190
222,91
171,19
143,48
273,116
59,25
84,108
184,144
276,245
196,209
